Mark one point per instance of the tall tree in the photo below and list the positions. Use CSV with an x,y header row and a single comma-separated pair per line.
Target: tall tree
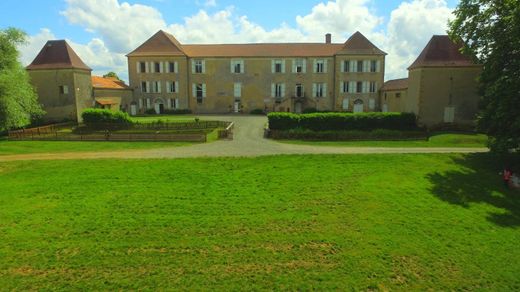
x,y
112,75
490,30
18,100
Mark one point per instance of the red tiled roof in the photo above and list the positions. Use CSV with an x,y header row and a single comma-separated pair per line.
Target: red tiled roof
x,y
396,84
164,44
57,55
108,83
441,51
358,44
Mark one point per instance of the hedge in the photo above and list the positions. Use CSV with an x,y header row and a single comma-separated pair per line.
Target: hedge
x,y
351,135
95,118
342,121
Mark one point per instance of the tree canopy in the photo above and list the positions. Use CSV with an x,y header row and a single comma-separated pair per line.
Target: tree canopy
x,y
18,100
112,75
490,30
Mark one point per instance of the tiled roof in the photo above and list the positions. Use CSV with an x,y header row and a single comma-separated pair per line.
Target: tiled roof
x,y
107,83
358,44
441,51
161,43
396,84
57,55
164,44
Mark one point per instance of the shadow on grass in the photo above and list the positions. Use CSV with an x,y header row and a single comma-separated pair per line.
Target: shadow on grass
x,y
478,181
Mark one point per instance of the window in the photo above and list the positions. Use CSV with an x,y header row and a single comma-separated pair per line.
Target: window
x,y
174,103
319,89
299,90
277,90
346,66
278,66
373,66
359,66
64,89
237,91
345,87
371,103
198,66
199,92
299,66
346,103
319,66
372,87
144,87
359,87
172,87
237,66
157,67
142,67
398,94
156,87
172,67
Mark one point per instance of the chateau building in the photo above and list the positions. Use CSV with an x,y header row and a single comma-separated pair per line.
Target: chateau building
x,y
165,74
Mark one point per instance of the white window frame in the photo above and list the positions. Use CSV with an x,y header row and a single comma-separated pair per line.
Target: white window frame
x,y
274,64
198,66
319,90
299,66
239,64
278,90
320,66
299,85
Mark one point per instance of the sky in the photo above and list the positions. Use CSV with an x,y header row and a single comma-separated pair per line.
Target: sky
x,y
102,32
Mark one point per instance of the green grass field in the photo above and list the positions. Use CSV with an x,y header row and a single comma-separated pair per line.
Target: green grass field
x,y
436,140
353,222
27,147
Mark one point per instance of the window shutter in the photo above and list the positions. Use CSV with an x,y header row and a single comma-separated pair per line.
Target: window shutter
x,y
169,103
194,90
204,89
177,105
324,89
193,66
342,66
367,66
304,66
273,64
378,66
283,89
138,67
342,87
273,89
232,66
325,61
175,67
161,67
283,66
314,64
314,90
293,65
353,66
146,67
203,66
242,67
176,86
148,89
365,86
352,86
158,86
168,88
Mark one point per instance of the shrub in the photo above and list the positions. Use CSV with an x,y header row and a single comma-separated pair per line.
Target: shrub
x,y
351,135
150,111
95,118
257,111
342,121
310,110
178,112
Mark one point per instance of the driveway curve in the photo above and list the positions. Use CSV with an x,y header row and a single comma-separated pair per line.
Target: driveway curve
x,y
248,141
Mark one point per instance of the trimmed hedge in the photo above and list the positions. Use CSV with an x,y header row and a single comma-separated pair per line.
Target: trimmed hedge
x,y
257,111
342,121
95,118
177,112
351,135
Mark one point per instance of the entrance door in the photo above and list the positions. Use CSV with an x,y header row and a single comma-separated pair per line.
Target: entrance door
x,y
236,107
358,106
449,114
133,110
157,107
298,108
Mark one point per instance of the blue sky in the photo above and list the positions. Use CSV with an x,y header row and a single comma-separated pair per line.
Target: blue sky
x,y
97,28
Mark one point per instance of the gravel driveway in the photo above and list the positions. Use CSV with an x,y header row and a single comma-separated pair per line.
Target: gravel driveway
x,y
248,141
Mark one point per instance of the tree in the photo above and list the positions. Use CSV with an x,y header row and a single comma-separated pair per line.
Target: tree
x,y
490,30
18,100
111,74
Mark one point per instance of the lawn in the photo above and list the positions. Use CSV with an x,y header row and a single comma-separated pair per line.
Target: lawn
x,y
436,140
352,222
27,147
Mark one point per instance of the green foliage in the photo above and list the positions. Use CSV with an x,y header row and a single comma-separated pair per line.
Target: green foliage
x,y
18,100
257,111
490,31
177,112
112,74
95,118
311,222
374,135
342,121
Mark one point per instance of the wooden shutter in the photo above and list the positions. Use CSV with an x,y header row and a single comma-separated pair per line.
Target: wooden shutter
x,y
314,90
283,89
204,89
168,88
193,66
176,86
304,69
283,66
203,66
342,66
194,90
273,66
314,65
138,67
353,87
273,90
342,87
324,89
325,65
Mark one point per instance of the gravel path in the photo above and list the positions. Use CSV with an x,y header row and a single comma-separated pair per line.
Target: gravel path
x,y
248,141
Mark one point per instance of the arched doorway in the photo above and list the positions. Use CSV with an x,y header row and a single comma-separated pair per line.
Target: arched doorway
x,y
159,106
358,106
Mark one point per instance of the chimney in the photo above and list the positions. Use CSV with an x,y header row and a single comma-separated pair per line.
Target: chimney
x,y
328,38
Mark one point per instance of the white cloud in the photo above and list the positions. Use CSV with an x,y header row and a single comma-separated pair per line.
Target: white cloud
x,y
120,27
34,45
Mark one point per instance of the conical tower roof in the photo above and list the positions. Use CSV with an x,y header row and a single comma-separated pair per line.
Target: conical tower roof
x,y
161,43
358,44
441,51
57,55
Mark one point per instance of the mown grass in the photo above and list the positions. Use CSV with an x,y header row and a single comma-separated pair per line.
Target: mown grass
x,y
436,140
359,222
28,147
